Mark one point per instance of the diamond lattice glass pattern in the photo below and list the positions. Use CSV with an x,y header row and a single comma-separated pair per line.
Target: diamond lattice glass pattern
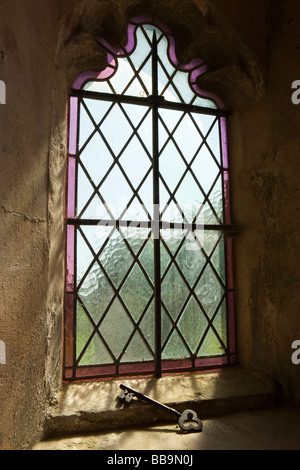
x,y
122,279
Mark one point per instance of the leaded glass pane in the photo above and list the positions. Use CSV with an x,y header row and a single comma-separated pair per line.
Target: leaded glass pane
x,y
147,189
117,316
192,324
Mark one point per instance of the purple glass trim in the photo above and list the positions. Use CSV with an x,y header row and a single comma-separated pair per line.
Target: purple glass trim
x,y
93,75
176,365
131,39
172,54
73,125
136,368
208,95
68,374
211,361
69,322
196,73
90,372
115,51
71,187
227,198
224,142
70,258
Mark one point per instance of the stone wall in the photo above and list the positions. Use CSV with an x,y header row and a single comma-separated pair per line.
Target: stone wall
x,y
252,50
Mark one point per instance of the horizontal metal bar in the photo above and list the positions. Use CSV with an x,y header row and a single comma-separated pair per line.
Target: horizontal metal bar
x,y
150,101
150,224
109,97
189,108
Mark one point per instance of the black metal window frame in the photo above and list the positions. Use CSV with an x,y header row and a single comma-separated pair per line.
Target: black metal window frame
x,y
155,224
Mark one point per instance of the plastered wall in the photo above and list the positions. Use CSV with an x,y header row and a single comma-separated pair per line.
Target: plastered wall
x,y
253,55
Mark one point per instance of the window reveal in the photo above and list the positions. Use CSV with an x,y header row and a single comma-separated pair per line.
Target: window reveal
x,y
149,286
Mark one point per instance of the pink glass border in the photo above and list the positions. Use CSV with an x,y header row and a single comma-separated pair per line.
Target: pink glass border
x,y
96,75
176,365
94,371
227,214
70,255
71,193
135,369
68,331
224,142
73,125
211,361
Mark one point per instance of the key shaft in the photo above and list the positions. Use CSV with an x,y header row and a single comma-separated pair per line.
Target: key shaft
x,y
150,401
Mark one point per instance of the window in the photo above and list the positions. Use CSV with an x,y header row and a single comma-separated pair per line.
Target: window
x,y
149,284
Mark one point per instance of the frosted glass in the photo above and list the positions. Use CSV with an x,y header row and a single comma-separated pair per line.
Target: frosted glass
x,y
205,169
175,348
137,350
192,324
147,326
96,159
188,138
216,199
171,166
214,342
116,130
136,292
190,197
204,102
124,74
95,350
209,291
116,259
116,192
84,192
98,87
174,291
213,140
180,81
86,127
116,318
190,259
135,162
97,109
142,51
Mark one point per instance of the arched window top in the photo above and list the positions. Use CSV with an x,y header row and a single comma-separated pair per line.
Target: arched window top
x,y
130,70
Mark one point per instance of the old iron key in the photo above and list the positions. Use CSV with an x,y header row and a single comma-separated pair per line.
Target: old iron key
x,y
194,423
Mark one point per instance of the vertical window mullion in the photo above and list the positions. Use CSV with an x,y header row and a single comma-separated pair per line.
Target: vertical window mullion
x,y
156,211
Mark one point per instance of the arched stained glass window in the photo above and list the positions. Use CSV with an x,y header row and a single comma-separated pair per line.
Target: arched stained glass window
x,y
149,285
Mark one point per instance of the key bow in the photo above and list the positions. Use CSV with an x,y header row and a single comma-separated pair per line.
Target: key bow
x,y
194,423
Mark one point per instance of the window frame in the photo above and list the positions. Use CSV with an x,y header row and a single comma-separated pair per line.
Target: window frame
x,y
195,68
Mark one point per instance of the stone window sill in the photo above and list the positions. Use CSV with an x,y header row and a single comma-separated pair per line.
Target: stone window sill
x,y
89,407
